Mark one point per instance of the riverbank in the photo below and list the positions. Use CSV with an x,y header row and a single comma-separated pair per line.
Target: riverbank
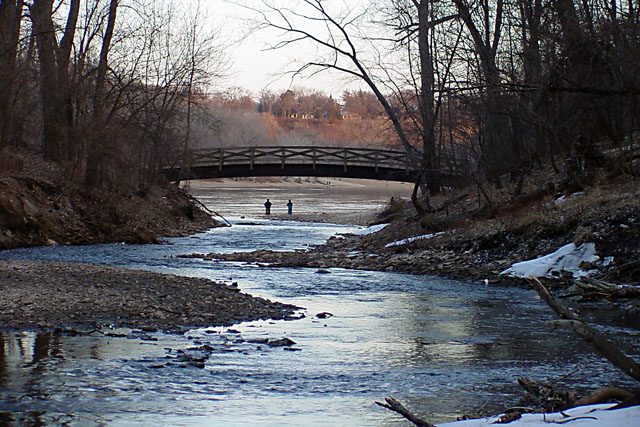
x,y
38,206
50,295
429,344
465,238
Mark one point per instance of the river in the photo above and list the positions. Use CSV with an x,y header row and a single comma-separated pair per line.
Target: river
x,y
444,348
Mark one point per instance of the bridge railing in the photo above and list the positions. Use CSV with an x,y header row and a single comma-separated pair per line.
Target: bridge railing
x,y
283,155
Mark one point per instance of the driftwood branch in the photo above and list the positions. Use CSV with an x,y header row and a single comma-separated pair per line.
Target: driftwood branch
x,y
605,394
603,346
570,320
395,406
545,396
628,269
560,309
587,286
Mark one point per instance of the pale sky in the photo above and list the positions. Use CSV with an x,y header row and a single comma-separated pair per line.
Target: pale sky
x,y
253,66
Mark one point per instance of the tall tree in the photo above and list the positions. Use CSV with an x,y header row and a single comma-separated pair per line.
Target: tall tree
x,y
493,124
96,149
54,58
341,40
10,20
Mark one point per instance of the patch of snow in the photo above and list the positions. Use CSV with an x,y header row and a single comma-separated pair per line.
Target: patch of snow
x,y
560,200
581,416
568,258
369,230
413,239
564,198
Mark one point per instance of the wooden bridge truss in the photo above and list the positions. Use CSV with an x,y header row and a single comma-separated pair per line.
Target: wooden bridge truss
x,y
348,162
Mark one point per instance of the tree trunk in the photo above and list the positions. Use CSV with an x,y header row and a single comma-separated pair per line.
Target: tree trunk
x,y
57,111
97,137
426,100
495,151
10,19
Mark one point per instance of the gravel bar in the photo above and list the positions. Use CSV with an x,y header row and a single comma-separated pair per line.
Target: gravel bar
x,y
49,295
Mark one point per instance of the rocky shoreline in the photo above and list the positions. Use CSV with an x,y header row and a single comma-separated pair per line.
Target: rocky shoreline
x,y
478,248
50,295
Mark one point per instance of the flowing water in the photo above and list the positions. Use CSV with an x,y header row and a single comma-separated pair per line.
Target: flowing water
x,y
442,347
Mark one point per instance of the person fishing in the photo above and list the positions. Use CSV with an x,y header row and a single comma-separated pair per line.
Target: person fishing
x,y
267,207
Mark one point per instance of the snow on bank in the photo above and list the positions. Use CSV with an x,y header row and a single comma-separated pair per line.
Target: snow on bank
x,y
581,416
369,230
413,239
568,258
560,200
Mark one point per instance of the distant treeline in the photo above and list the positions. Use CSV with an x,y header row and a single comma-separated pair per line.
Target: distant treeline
x,y
300,116
303,103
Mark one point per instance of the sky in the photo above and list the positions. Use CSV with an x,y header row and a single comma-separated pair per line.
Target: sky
x,y
254,66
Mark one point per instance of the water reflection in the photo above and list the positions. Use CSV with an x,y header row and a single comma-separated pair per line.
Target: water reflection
x,y
391,334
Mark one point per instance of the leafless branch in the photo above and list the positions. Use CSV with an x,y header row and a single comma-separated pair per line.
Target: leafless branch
x,y
395,406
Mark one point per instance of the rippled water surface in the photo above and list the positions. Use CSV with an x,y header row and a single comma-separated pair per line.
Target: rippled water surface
x,y
442,347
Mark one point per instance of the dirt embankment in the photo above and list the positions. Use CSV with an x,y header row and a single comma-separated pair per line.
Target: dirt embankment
x,y
37,207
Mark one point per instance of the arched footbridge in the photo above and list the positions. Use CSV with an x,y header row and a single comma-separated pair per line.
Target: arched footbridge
x,y
346,162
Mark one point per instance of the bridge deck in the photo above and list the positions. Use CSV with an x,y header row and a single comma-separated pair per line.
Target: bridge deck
x,y
348,162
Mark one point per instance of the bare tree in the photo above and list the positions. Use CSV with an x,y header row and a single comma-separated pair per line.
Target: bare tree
x,y
347,50
484,24
114,92
54,59
95,153
10,21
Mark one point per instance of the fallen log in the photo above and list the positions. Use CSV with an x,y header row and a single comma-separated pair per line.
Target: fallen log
x,y
626,272
603,346
570,320
608,289
604,395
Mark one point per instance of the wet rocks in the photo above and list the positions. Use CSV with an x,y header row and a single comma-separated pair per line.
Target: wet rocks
x,y
324,315
195,357
282,342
